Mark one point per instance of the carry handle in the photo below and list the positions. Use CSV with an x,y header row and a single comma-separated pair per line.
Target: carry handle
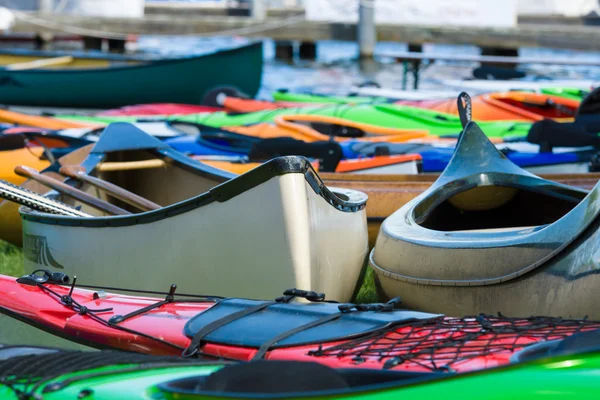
x,y
389,306
465,111
46,277
290,294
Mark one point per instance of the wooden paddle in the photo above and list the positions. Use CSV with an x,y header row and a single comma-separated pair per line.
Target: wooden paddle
x,y
131,165
65,189
78,172
44,62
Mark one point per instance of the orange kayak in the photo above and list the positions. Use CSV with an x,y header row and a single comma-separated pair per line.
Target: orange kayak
x,y
29,156
396,164
292,126
513,106
40,122
236,104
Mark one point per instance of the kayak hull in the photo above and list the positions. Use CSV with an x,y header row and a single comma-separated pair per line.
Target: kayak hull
x,y
396,339
490,237
134,376
383,115
510,106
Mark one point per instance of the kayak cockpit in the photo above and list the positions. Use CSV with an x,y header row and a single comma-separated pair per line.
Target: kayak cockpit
x,y
272,378
495,208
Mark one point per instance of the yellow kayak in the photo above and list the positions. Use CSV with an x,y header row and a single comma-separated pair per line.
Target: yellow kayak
x,y
30,157
37,121
10,228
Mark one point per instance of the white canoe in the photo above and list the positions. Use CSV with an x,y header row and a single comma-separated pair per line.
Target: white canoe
x,y
490,237
254,235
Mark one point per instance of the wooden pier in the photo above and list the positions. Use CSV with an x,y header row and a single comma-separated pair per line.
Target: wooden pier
x,y
298,29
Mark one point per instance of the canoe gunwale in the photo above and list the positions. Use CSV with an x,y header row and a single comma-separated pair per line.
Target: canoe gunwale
x,y
142,62
231,187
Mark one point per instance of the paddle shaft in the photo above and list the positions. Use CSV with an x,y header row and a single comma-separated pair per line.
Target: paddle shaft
x,y
69,191
109,188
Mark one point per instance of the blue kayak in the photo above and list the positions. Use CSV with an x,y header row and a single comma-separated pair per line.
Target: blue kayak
x,y
523,154
435,158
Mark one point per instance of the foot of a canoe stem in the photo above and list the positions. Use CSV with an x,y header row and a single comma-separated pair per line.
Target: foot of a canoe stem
x,y
284,50
116,45
307,51
92,43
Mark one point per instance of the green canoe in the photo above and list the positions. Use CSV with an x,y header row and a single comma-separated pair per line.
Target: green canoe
x,y
106,81
386,115
112,375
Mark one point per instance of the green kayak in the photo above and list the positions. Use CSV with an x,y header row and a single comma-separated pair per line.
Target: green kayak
x,y
569,93
36,373
385,115
320,98
566,92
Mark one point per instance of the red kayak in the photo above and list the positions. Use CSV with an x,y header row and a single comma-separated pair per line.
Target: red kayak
x,y
160,109
376,336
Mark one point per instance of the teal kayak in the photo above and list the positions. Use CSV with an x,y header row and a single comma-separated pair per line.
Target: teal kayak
x,y
35,373
384,115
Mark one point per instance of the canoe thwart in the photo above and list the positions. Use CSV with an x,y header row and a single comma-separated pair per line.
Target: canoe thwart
x,y
131,165
77,172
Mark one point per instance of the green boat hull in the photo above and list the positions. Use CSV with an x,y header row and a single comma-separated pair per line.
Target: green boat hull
x,y
566,92
316,98
386,115
178,80
565,377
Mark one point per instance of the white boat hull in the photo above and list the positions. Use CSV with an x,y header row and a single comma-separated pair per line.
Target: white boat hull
x,y
278,235
253,235
489,237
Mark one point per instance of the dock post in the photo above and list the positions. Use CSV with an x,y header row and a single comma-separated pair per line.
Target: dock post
x,y
92,43
116,45
307,51
367,34
284,50
43,40
258,10
46,6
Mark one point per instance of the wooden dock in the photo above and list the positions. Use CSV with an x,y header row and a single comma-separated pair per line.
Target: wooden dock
x,y
296,28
